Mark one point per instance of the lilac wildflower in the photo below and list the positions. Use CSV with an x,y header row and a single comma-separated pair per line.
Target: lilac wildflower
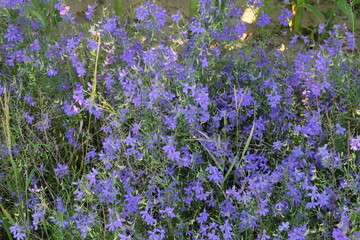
x,y
227,230
203,217
35,46
321,28
51,71
355,143
29,118
196,28
176,16
142,13
263,20
37,216
284,226
30,100
61,170
263,235
339,130
277,145
114,223
89,12
69,109
18,231
13,34
337,234
147,217
44,124
298,233
284,16
214,174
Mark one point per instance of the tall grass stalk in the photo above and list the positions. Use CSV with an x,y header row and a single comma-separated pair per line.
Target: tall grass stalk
x,y
5,121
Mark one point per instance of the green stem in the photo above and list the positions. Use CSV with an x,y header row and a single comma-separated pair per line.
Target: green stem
x,y
118,6
193,7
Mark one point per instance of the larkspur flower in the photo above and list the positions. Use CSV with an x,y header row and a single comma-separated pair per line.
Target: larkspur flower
x,y
14,33
337,234
176,16
355,143
263,20
29,118
284,16
284,226
18,231
61,170
203,217
196,27
89,12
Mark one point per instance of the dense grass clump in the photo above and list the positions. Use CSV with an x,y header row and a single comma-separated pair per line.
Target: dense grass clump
x,y
164,129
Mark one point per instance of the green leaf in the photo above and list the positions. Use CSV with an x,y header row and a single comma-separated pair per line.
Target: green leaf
x,y
39,16
242,154
355,2
118,6
7,215
312,9
347,10
193,7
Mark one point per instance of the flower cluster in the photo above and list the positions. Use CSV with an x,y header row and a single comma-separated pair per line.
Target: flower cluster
x,y
158,129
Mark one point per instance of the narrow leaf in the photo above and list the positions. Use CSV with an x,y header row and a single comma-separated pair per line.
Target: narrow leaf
x,y
347,10
242,154
312,9
355,2
39,16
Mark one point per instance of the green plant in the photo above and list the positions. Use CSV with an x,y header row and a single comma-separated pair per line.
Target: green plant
x,y
298,7
118,6
347,9
193,7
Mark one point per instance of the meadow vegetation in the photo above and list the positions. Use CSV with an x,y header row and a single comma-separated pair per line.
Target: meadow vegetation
x,y
166,128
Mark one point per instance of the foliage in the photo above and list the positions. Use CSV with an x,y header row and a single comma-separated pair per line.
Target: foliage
x,y
162,129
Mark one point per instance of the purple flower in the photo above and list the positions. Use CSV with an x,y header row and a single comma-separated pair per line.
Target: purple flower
x,y
274,99
277,145
284,16
35,46
215,174
44,124
355,143
29,118
114,223
169,212
69,109
263,20
337,234
227,230
196,28
61,170
339,130
321,28
30,100
89,12
13,34
263,235
92,44
284,226
38,214
298,233
142,13
202,217
157,234
176,16
18,231
147,217
51,71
